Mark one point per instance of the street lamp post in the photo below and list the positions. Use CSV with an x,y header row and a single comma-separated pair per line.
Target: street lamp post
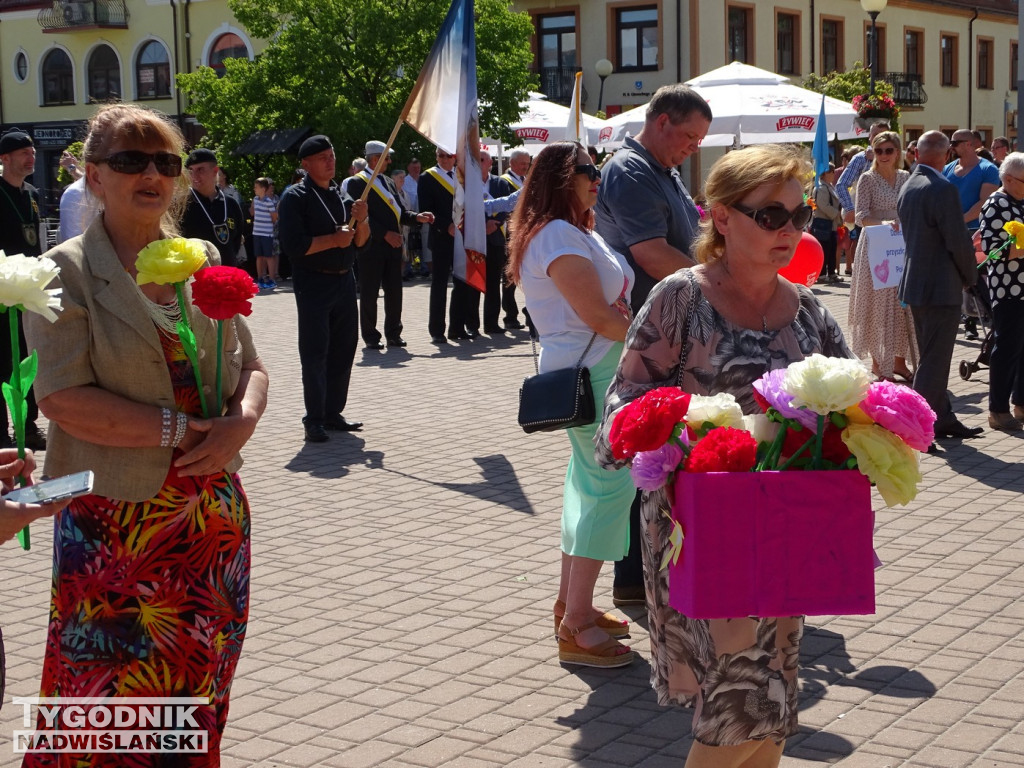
x,y
603,67
873,8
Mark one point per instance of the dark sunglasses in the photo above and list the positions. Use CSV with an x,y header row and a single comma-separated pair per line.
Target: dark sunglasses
x,y
774,217
132,161
884,151
958,141
444,156
591,171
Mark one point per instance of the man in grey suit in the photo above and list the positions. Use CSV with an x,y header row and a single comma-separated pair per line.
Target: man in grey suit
x,y
940,264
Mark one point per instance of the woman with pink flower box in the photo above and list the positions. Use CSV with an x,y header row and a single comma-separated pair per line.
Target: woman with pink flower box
x,y
713,330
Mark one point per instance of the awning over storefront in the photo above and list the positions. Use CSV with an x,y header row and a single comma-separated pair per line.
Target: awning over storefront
x,y
283,141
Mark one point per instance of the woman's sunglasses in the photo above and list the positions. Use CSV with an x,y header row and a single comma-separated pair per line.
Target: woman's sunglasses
x,y
885,151
591,171
774,217
132,161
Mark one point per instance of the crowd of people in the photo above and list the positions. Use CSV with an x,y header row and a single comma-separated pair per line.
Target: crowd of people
x,y
618,269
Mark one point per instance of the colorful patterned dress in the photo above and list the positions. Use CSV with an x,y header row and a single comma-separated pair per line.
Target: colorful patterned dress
x,y
151,598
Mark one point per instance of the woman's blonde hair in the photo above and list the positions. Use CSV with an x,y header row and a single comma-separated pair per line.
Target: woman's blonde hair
x,y
739,173
888,137
130,124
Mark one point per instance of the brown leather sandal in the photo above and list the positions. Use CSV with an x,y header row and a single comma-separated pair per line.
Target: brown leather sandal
x,y
614,626
609,654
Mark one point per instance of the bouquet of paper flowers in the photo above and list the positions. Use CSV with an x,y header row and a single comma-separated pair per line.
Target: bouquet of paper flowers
x,y
749,535
820,413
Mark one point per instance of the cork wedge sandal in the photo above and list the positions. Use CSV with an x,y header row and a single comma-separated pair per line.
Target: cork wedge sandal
x,y
615,627
606,655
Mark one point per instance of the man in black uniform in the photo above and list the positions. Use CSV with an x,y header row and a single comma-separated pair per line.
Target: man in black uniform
x,y
437,194
210,214
19,233
381,263
314,233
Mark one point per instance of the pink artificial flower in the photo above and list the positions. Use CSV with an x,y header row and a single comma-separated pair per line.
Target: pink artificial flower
x,y
902,411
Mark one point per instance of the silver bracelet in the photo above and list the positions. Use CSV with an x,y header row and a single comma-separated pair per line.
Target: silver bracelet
x,y
181,427
165,427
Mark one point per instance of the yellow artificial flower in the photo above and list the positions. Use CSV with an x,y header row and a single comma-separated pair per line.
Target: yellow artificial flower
x,y
23,281
855,415
887,461
722,410
173,260
1015,230
825,384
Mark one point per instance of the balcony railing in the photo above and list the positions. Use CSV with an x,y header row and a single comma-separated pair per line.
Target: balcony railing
x,y
557,82
906,88
84,14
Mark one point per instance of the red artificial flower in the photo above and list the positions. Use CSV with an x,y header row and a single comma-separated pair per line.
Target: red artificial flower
x,y
723,449
220,293
646,424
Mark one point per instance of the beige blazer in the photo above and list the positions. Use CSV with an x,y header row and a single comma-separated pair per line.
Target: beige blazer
x,y
104,337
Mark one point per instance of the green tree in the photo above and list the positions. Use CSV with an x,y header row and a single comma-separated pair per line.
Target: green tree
x,y
853,82
345,68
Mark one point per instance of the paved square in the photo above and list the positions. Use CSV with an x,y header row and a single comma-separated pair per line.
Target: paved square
x,y
403,578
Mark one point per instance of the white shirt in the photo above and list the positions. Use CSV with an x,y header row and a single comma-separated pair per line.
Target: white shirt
x,y
77,210
563,335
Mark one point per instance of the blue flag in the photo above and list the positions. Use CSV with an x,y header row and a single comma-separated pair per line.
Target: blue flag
x,y
820,149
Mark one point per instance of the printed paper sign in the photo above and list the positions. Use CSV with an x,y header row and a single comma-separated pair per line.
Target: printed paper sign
x,y
886,251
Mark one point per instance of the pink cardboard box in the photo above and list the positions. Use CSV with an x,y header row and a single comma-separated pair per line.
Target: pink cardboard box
x,y
773,544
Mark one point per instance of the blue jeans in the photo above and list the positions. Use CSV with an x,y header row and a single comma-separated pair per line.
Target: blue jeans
x,y
328,335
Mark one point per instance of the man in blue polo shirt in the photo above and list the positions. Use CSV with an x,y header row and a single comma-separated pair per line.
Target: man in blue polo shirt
x,y
645,213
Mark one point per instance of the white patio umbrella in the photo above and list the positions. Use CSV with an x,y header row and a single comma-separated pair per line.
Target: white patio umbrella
x,y
755,106
543,122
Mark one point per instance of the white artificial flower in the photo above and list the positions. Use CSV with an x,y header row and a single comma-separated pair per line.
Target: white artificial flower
x,y
761,427
23,281
722,410
825,384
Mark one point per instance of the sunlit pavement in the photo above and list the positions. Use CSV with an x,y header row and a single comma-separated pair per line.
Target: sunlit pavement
x,y
403,578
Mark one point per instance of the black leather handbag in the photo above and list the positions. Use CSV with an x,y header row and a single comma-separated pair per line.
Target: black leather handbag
x,y
557,399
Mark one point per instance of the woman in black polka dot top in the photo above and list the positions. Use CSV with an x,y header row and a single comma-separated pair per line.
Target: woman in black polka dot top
x,y
1005,279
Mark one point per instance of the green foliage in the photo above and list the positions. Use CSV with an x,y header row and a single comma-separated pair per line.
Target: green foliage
x,y
853,82
345,68
63,177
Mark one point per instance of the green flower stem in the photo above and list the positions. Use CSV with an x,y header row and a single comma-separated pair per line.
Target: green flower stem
x,y
994,256
796,454
189,344
818,438
220,354
770,458
24,535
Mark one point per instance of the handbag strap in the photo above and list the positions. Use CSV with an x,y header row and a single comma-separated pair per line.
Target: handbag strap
x,y
536,366
690,309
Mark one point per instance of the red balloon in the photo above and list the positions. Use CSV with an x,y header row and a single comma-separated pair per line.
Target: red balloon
x,y
805,266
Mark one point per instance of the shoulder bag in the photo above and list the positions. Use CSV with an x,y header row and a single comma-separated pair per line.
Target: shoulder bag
x,y
557,399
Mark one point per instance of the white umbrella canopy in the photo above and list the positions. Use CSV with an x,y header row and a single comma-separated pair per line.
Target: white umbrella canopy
x,y
755,106
543,122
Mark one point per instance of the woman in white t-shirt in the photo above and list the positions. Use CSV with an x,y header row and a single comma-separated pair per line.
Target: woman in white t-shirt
x,y
577,293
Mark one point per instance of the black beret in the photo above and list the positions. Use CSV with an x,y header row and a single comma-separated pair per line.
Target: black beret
x,y
314,144
201,155
13,140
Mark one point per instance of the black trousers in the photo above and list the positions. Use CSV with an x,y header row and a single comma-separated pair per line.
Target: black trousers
x,y
463,312
935,328
328,334
629,571
380,266
6,368
825,235
1006,361
493,298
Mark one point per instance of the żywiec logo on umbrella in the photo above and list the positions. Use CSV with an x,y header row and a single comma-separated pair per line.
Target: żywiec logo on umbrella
x,y
799,122
539,134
